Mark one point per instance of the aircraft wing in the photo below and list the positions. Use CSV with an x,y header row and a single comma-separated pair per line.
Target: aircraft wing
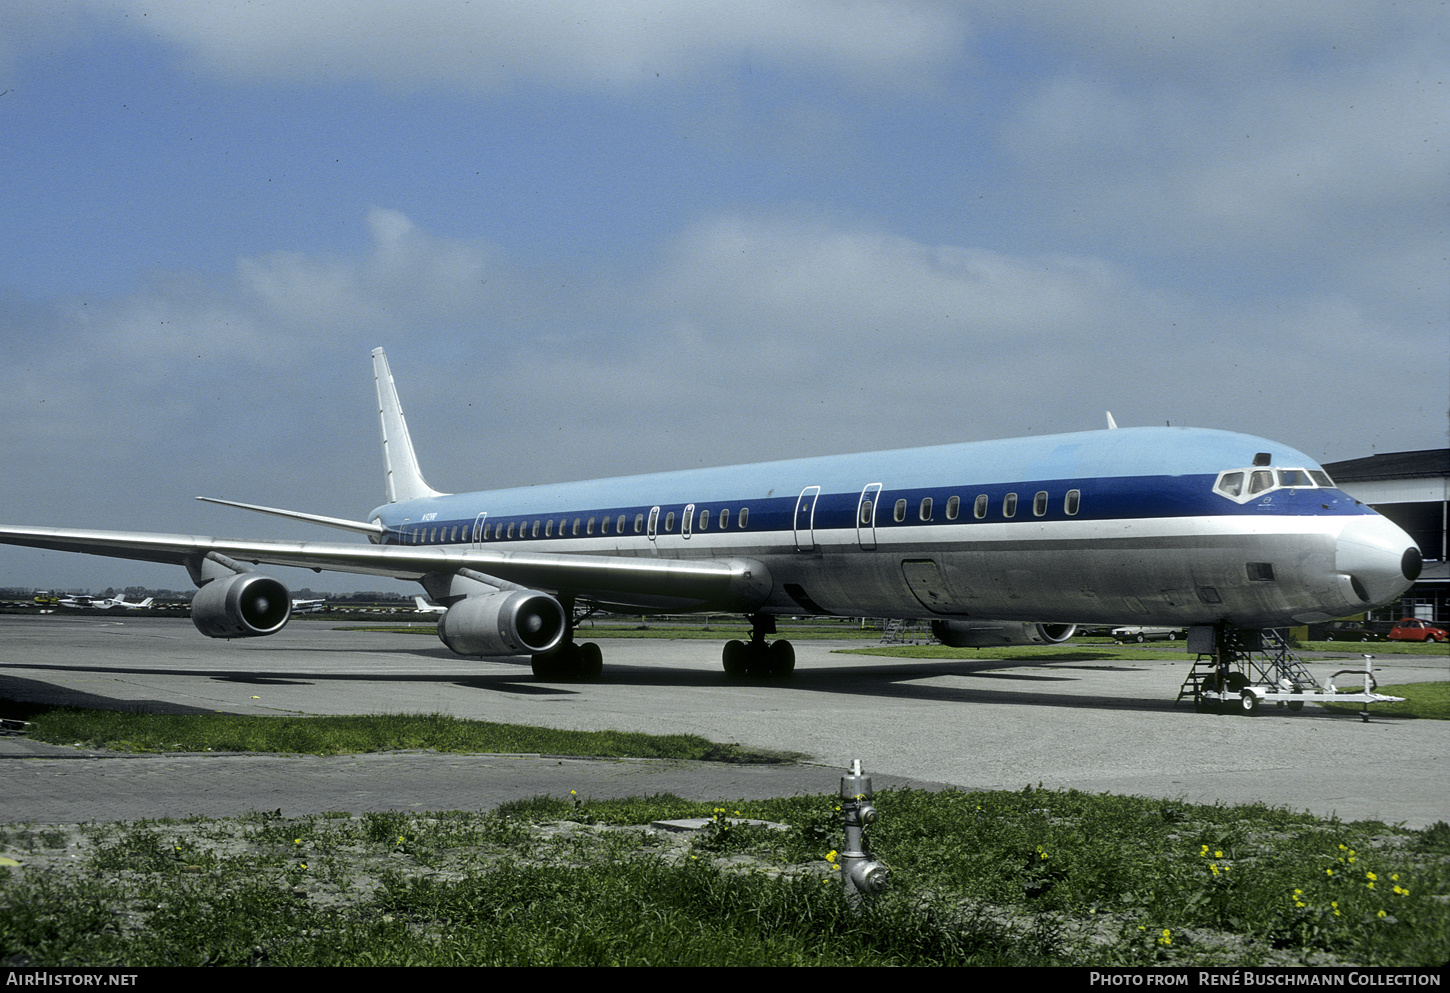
x,y
610,580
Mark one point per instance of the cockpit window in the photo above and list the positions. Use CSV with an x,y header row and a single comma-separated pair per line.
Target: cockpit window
x,y
1240,485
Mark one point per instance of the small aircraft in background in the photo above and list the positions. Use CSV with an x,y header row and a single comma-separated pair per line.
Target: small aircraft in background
x,y
81,600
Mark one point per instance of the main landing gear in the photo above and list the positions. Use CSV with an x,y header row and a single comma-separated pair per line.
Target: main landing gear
x,y
569,662
756,657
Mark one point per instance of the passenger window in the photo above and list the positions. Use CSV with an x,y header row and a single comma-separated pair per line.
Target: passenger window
x,y
511,529
900,513
549,528
980,509
724,519
704,520
535,532
669,522
638,523
619,525
604,525
744,516
925,512
954,506
1071,502
589,528
866,507
576,527
1039,503
1009,505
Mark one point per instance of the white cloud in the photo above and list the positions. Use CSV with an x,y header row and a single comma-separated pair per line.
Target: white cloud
x,y
488,44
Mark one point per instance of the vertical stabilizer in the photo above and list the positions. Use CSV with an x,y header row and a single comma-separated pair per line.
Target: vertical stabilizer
x,y
402,478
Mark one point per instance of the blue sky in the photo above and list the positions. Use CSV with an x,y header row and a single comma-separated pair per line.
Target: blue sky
x,y
607,238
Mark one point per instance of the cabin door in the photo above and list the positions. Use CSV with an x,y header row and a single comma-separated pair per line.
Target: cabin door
x,y
866,517
805,519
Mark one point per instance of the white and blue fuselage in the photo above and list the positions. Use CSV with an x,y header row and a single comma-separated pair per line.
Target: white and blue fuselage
x,y
1173,526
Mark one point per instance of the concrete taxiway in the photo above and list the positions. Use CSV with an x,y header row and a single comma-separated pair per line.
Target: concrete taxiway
x,y
1087,723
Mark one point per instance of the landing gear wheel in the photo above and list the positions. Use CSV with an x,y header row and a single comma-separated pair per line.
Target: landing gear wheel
x,y
591,662
736,657
780,659
1248,702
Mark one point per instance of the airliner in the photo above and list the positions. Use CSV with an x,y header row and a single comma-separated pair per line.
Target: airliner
x,y
994,542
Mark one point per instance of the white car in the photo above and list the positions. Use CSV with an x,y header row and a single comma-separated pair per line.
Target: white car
x,y
1142,634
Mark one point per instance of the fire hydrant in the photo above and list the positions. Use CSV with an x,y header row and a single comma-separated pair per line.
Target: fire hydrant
x,y
860,873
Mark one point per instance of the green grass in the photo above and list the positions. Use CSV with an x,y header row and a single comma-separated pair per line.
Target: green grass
x,y
720,630
141,732
1028,878
1430,701
1378,648
1089,649
1025,653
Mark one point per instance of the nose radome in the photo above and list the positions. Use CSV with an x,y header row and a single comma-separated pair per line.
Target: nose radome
x,y
1381,560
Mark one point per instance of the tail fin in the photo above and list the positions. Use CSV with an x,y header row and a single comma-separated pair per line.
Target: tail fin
x,y
403,480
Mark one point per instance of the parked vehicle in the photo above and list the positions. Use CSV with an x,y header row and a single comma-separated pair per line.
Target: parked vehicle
x,y
1414,629
1350,631
1142,634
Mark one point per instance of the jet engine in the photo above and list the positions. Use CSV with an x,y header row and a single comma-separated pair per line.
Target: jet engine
x,y
518,622
979,634
245,605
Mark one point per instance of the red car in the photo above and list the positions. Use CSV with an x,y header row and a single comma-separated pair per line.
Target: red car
x,y
1410,629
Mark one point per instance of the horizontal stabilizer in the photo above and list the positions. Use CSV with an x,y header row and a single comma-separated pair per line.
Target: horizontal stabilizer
x,y
361,527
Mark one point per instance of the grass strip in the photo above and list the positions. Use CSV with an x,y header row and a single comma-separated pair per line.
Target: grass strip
x,y
1428,701
127,731
1006,878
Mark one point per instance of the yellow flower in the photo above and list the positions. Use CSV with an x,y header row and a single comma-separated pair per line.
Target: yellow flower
x,y
1218,855
1381,914
1166,938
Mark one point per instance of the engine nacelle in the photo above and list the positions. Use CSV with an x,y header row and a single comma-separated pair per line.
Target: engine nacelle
x,y
521,622
979,634
246,605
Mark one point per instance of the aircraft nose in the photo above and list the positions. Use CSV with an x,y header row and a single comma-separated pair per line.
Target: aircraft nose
x,y
1380,560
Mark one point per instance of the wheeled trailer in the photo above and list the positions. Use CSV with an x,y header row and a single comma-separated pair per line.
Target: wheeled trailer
x,y
1243,670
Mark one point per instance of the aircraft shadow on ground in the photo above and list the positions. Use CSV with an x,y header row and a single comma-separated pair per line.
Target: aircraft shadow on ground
x,y
900,680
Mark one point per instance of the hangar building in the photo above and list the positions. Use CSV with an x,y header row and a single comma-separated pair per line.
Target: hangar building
x,y
1413,490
